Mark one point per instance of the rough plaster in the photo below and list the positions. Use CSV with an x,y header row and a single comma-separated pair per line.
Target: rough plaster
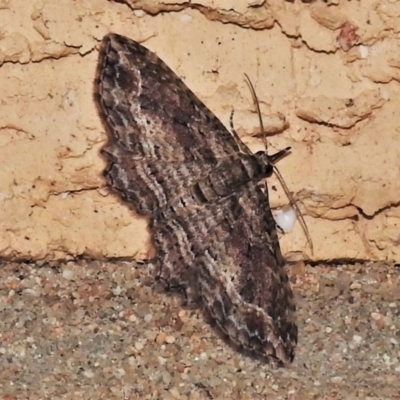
x,y
327,76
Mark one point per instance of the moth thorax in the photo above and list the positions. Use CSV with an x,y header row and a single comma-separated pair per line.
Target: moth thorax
x,y
265,163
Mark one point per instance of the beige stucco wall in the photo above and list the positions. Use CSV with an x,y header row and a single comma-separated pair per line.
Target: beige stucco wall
x,y
327,76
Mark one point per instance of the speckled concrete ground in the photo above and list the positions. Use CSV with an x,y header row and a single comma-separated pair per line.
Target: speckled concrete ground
x,y
100,330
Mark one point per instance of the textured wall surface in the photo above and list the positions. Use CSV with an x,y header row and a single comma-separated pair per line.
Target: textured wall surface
x,y
327,76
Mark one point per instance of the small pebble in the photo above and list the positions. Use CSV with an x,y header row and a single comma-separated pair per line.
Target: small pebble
x,y
169,339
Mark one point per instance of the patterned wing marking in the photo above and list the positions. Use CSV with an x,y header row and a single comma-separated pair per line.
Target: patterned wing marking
x,y
149,112
245,288
228,255
150,109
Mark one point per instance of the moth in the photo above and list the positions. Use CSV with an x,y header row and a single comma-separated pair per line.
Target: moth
x,y
174,162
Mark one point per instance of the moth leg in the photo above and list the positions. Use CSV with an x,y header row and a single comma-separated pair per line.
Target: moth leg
x,y
278,227
243,148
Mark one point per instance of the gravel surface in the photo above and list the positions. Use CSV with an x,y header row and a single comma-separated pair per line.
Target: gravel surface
x,y
103,330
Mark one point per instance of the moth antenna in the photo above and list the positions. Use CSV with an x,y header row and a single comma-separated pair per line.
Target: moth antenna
x,y
239,142
296,208
278,174
257,103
